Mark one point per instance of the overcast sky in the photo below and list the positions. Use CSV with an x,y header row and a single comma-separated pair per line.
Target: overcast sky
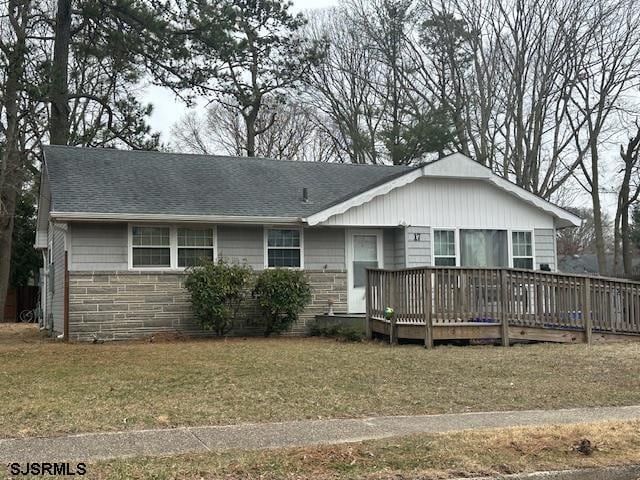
x,y
167,109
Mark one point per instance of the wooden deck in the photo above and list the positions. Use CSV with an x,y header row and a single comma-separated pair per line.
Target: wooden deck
x,y
444,303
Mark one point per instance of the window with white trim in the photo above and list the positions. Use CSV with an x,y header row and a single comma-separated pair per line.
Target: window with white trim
x,y
284,248
194,244
151,247
444,248
522,247
170,246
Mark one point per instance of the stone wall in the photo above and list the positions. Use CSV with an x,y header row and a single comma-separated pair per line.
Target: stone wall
x,y
128,305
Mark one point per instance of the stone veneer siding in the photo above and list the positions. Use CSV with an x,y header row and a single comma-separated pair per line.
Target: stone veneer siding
x,y
128,305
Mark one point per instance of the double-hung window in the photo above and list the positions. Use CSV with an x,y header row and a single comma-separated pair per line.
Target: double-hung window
x,y
151,247
169,246
194,244
522,250
444,248
284,248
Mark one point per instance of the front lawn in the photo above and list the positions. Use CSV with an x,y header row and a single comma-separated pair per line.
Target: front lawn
x,y
482,453
50,388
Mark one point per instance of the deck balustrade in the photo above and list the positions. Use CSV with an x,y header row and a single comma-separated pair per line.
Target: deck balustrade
x,y
509,298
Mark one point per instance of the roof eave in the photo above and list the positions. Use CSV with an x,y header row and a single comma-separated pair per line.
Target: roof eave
x,y
365,196
159,217
563,218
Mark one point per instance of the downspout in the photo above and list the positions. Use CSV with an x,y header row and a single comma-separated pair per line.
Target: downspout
x,y
65,331
44,289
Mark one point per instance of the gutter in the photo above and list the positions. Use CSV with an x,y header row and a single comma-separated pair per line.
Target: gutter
x,y
158,217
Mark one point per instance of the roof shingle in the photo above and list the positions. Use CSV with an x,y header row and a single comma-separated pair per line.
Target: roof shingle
x,y
99,180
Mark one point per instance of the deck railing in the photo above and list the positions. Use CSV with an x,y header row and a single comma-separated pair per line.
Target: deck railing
x,y
446,295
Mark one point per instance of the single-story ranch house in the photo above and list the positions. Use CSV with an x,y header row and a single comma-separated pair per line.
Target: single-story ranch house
x,y
118,228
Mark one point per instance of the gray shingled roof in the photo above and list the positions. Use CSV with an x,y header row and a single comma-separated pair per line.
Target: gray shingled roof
x,y
100,180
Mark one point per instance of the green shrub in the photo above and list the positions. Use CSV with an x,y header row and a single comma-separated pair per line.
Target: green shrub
x,y
282,294
217,291
341,332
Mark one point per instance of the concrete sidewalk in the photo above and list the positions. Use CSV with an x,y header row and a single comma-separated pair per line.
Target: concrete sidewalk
x,y
101,446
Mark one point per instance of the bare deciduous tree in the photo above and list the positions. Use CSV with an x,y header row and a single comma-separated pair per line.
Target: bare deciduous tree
x,y
627,195
606,71
341,87
293,133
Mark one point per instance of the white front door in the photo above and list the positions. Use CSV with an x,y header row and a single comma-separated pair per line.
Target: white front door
x,y
364,250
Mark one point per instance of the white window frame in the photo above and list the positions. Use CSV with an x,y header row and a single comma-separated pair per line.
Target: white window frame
x,y
456,242
266,247
173,244
197,227
512,257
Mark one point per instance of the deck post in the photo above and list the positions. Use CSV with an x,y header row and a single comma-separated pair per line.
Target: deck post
x,y
426,302
393,295
367,321
504,319
586,311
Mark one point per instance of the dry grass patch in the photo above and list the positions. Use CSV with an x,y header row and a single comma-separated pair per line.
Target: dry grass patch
x,y
489,452
51,387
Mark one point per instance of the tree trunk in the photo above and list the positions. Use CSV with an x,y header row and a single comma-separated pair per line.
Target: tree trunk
x,y
11,175
6,236
597,212
626,242
250,122
617,264
59,121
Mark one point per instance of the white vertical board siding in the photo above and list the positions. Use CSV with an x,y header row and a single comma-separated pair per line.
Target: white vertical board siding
x,y
545,248
242,244
418,246
98,246
324,249
444,202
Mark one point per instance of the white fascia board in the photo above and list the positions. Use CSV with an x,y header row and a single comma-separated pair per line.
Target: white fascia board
x,y
364,197
154,217
564,217
455,165
461,166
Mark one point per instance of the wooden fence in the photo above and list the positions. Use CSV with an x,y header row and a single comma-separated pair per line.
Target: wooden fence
x,y
438,296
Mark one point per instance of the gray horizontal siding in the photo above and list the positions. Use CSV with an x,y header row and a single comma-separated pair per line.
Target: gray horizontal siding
x,y
324,249
388,248
545,247
242,244
57,296
399,246
104,247
418,246
393,247
98,246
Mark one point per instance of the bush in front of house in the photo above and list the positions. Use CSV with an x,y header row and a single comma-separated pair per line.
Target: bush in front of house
x,y
282,294
217,290
337,331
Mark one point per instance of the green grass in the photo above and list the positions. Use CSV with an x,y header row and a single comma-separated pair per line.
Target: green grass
x,y
491,452
53,388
